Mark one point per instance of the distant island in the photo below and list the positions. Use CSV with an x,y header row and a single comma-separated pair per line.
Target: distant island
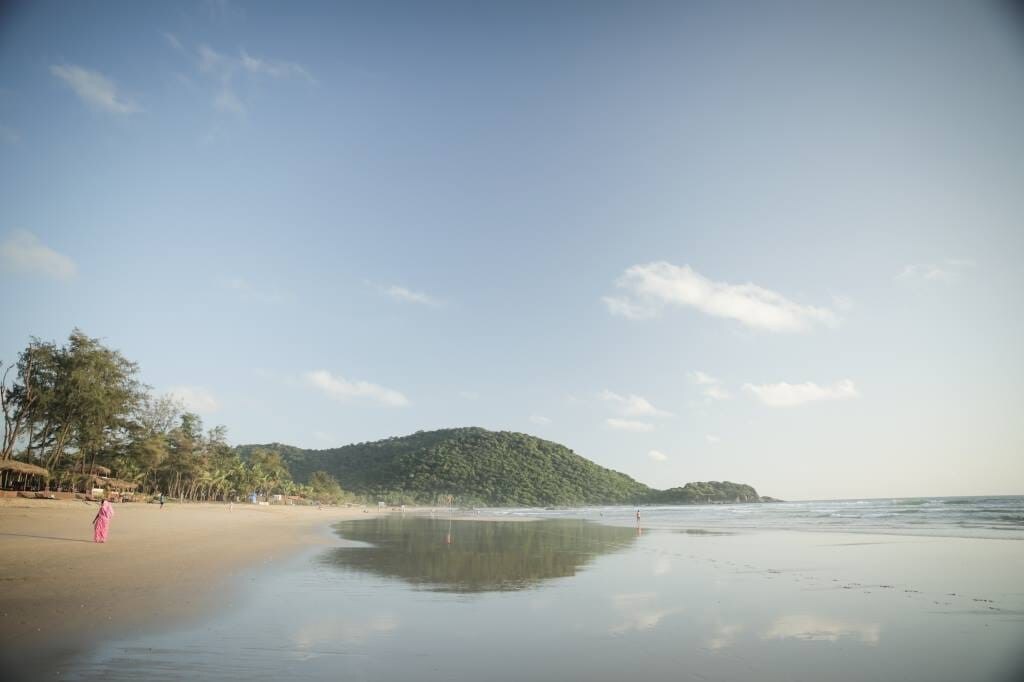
x,y
485,468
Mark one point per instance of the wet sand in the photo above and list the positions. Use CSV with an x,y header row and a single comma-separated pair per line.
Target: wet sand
x,y
60,592
270,592
404,598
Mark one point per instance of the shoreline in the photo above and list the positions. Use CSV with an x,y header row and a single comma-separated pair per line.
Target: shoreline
x,y
162,570
60,592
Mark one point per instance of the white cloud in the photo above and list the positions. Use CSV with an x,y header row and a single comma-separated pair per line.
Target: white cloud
x,y
223,68
653,286
713,389
538,419
23,252
211,61
469,395
623,307
657,456
702,379
173,41
94,89
339,388
948,270
633,405
195,399
712,440
275,69
9,135
629,425
789,395
408,296
716,393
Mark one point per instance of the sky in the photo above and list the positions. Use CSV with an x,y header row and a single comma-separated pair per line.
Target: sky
x,y
772,243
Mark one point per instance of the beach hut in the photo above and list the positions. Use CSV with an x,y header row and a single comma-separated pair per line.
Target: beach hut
x,y
17,475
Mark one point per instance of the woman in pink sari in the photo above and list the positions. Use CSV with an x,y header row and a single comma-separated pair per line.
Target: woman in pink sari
x,y
102,521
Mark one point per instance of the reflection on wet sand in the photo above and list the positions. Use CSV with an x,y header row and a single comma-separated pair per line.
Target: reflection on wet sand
x,y
474,556
639,611
817,629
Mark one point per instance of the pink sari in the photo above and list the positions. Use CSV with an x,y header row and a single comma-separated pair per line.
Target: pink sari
x,y
102,521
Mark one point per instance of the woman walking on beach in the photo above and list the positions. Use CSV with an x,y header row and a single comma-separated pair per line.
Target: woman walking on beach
x,y
102,521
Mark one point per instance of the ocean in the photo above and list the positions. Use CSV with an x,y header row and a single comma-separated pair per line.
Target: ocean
x,y
994,517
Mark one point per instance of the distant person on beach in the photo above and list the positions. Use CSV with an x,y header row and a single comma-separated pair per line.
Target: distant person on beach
x,y
102,521
638,516
162,501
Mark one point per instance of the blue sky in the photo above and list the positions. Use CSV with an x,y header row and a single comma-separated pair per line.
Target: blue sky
x,y
771,244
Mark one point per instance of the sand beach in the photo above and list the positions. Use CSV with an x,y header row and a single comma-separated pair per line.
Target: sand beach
x,y
161,567
196,591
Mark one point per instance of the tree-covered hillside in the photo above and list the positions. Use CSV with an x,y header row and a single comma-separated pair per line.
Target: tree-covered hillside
x,y
478,466
473,464
705,492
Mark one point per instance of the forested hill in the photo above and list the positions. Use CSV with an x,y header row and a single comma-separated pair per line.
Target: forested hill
x,y
473,464
478,466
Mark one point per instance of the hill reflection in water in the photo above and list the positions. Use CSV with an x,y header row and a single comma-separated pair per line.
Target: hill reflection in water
x,y
474,556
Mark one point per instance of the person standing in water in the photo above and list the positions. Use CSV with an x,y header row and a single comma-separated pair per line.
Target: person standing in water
x,y
101,524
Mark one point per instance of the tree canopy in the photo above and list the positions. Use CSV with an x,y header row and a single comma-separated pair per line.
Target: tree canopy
x,y
487,468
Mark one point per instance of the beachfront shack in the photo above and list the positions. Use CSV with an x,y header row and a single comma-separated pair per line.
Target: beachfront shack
x,y
17,475
108,487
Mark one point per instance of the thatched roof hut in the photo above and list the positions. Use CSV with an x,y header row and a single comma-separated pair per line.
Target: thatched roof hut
x,y
18,475
116,483
20,467
106,482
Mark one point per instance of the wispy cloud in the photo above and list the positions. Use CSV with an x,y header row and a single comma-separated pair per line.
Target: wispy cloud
x,y
275,69
790,395
657,456
409,296
469,395
339,388
95,89
710,386
22,251
948,270
633,405
173,41
539,419
195,398
223,68
629,425
651,287
712,440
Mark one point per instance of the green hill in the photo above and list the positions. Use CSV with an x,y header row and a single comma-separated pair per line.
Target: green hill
x,y
483,467
705,492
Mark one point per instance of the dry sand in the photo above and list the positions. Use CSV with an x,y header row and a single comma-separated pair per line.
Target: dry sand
x,y
59,590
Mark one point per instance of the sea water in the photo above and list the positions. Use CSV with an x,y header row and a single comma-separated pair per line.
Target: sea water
x,y
687,594
997,517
